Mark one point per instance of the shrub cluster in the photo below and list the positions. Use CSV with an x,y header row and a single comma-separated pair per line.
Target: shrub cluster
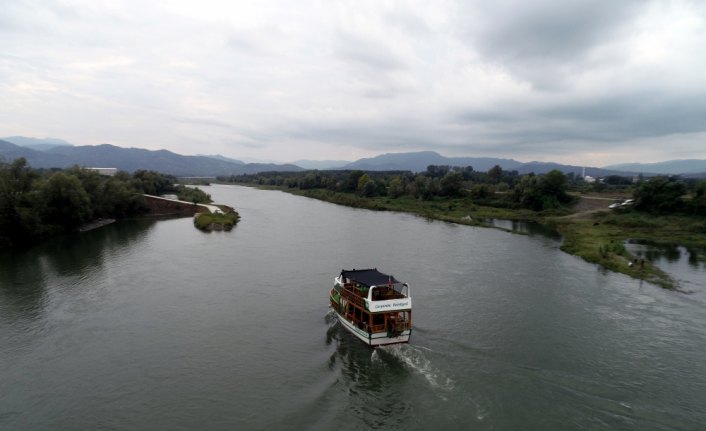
x,y
36,203
496,187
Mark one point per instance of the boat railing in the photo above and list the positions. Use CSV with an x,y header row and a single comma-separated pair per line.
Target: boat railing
x,y
384,293
350,294
400,326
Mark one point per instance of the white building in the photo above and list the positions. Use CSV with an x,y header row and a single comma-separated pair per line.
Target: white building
x,y
108,172
589,179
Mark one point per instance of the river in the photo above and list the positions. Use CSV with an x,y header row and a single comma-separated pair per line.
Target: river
x,y
154,325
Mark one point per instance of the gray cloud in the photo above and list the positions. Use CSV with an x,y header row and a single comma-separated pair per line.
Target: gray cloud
x,y
366,52
531,80
544,41
549,30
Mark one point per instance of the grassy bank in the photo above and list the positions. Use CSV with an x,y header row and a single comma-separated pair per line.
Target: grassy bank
x,y
598,237
456,210
595,236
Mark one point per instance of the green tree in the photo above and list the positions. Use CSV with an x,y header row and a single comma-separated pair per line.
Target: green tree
x,y
120,199
660,195
698,203
153,183
434,171
362,181
353,180
193,194
396,188
18,219
366,186
554,185
452,184
544,192
67,203
369,189
418,187
433,188
495,174
480,191
528,193
311,180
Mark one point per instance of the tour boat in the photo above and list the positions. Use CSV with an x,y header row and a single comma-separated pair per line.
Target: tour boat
x,y
373,306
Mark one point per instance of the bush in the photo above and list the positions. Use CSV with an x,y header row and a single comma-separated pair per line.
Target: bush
x,y
216,221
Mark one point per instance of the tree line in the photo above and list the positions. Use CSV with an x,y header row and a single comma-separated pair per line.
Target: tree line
x,y
495,188
40,203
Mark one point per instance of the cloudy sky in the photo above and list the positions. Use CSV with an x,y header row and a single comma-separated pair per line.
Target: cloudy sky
x,y
586,82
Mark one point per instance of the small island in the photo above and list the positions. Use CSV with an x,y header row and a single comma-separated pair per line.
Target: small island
x,y
218,220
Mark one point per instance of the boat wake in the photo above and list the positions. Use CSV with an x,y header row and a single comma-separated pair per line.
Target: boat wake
x,y
330,317
416,358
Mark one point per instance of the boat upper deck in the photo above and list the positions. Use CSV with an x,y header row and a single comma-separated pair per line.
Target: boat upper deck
x,y
380,293
370,285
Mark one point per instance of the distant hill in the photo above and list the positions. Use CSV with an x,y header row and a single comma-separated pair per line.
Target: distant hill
x,y
50,152
321,164
544,167
223,158
36,143
10,151
670,167
418,162
132,159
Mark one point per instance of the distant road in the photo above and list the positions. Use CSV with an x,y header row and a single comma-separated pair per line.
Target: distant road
x,y
211,208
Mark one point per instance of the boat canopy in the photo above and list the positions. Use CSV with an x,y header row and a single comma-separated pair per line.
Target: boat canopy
x,y
369,277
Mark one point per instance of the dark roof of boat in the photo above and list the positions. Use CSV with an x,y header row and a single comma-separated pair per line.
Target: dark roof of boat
x,y
369,277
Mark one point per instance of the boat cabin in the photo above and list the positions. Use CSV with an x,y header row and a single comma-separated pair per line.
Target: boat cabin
x,y
374,306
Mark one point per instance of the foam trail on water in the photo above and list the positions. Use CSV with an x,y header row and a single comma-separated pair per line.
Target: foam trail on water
x,y
330,317
415,358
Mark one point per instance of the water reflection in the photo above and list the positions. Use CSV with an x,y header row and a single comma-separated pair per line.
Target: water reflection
x,y
22,285
670,252
88,250
523,227
686,264
375,381
24,274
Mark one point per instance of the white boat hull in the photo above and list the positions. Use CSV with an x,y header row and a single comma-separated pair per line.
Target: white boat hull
x,y
375,339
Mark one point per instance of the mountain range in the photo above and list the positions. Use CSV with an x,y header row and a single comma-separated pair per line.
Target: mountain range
x,y
40,144
132,159
418,161
688,166
49,153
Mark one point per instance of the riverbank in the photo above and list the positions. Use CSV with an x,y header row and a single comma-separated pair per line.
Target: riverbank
x,y
596,235
599,237
96,224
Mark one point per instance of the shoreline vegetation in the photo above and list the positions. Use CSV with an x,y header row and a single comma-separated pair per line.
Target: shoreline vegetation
x,y
37,204
577,210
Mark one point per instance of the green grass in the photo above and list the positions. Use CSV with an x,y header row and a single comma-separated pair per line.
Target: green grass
x,y
212,221
599,238
456,210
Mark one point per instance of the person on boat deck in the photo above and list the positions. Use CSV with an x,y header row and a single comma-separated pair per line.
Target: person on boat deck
x,y
392,321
